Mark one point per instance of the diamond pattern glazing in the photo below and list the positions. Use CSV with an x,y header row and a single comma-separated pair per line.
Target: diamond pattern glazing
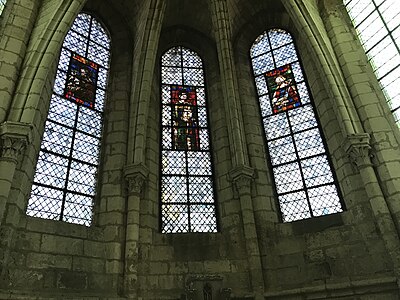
x,y
64,185
303,175
187,194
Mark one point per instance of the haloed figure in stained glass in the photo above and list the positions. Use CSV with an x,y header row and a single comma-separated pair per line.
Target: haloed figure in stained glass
x,y
186,132
282,89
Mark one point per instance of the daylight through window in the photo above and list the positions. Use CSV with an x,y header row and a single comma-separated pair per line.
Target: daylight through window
x,y
64,185
187,197
303,176
377,23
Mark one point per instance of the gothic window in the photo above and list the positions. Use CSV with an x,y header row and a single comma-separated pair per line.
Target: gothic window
x,y
2,5
304,182
187,197
377,23
64,185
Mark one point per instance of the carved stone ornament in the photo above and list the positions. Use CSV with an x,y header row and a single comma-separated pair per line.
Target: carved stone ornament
x,y
14,138
358,148
242,176
136,175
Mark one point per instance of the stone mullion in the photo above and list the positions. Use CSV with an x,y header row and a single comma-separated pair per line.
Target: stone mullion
x,y
332,77
143,90
229,84
135,177
358,149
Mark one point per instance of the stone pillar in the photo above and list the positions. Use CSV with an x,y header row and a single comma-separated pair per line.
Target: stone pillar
x,y
242,178
241,174
135,175
223,36
369,101
144,64
14,138
358,148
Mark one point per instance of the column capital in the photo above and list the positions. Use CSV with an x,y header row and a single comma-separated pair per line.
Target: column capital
x,y
358,147
14,136
135,175
242,176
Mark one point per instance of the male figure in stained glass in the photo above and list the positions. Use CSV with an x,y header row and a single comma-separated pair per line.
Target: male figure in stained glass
x,y
186,135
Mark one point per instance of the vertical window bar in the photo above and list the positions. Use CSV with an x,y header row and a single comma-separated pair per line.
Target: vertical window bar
x,y
304,181
379,32
65,180
186,187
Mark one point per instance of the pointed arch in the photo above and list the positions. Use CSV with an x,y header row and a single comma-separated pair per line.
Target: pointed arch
x,y
304,182
65,180
187,193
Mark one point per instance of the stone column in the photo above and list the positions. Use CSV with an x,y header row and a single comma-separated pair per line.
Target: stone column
x,y
242,178
223,36
14,138
358,148
144,65
241,174
135,175
369,101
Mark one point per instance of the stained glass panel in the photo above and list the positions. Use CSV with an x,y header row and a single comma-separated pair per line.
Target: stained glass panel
x,y
303,175
81,80
187,195
378,26
64,185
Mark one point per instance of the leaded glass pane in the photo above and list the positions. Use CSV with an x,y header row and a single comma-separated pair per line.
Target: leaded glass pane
x,y
187,195
65,180
378,26
302,173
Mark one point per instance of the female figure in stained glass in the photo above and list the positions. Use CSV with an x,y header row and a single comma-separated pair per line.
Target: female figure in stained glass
x,y
285,94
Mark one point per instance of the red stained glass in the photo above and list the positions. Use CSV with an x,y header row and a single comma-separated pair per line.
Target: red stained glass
x,y
282,89
185,120
81,81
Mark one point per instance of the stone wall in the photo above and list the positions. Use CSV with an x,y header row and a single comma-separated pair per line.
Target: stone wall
x,y
123,255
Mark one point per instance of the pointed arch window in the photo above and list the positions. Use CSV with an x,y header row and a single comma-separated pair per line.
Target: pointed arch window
x,y
64,185
304,181
377,23
187,194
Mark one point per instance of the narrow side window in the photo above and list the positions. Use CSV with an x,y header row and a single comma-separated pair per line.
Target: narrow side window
x,y
304,181
65,180
187,194
378,26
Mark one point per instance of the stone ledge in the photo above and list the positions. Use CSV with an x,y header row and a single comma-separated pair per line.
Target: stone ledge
x,y
340,289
